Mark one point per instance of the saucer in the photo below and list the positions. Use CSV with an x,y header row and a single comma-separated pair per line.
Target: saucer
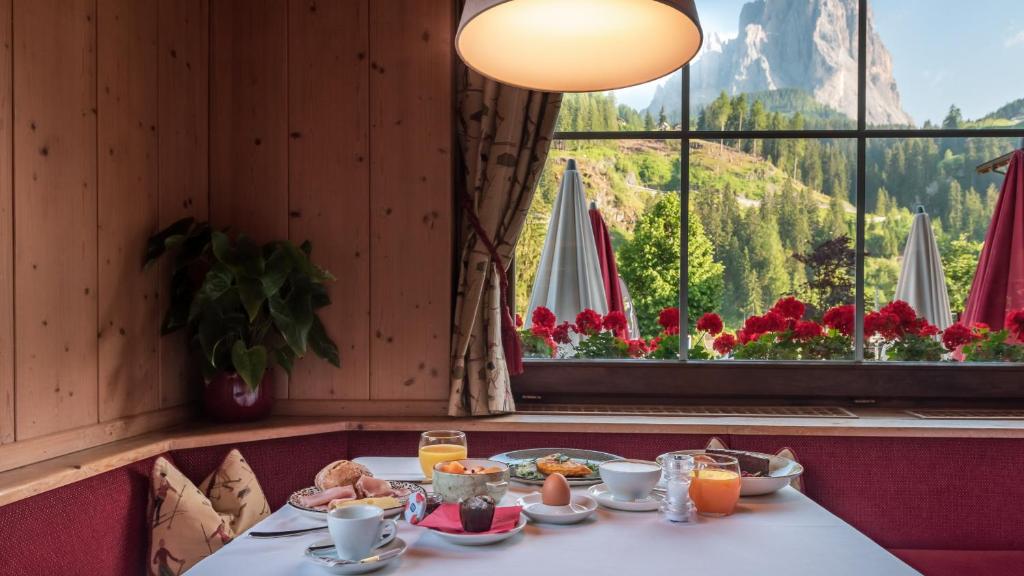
x,y
470,539
581,508
322,554
603,495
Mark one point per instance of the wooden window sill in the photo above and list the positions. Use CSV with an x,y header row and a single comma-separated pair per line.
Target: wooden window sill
x,y
26,481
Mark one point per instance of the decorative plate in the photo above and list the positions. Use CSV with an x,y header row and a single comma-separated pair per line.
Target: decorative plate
x,y
523,468
320,512
781,471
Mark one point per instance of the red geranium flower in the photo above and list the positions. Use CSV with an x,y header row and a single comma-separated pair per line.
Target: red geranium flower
x,y
560,333
1015,323
754,327
925,328
904,313
805,330
588,322
724,343
958,335
616,322
669,320
544,317
710,323
745,337
637,348
840,319
540,331
885,324
519,320
790,308
774,322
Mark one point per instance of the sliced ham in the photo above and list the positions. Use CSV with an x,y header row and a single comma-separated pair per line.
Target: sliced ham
x,y
325,496
370,487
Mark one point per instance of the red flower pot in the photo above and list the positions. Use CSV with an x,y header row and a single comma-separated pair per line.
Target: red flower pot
x,y
227,398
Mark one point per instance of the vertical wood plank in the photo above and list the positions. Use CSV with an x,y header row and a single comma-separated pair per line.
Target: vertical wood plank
x,y
129,312
329,194
183,166
411,204
55,196
6,228
249,117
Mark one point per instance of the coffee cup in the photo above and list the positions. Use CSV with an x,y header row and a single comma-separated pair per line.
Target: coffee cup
x,y
630,480
357,530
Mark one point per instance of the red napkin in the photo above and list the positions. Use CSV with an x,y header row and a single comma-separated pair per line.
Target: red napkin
x,y
446,519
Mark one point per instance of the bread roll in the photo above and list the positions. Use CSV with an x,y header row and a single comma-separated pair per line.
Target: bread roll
x,y
340,473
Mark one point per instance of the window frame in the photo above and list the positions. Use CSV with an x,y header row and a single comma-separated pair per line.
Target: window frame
x,y
856,381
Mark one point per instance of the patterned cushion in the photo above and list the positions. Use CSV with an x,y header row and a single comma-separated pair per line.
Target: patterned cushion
x,y
189,523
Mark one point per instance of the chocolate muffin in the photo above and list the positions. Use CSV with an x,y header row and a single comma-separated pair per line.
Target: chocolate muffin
x,y
476,513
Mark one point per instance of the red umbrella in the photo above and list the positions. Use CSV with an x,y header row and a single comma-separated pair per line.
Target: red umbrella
x,y
999,281
605,254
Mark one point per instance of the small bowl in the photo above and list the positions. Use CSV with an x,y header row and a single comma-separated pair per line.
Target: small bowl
x,y
630,480
455,487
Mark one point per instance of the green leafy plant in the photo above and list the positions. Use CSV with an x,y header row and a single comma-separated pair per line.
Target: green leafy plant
x,y
245,305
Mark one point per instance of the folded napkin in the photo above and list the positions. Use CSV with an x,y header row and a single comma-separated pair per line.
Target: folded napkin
x,y
446,519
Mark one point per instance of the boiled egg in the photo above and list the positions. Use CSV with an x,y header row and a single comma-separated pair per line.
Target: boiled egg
x,y
555,491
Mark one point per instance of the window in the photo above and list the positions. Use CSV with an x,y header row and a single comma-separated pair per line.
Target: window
x,y
788,161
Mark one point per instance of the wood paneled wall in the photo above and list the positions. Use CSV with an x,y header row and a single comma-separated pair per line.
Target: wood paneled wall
x,y
327,120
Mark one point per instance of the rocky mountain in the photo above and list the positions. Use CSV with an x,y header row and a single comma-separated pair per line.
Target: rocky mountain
x,y
808,45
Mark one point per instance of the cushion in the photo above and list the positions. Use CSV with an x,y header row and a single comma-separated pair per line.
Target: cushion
x,y
188,523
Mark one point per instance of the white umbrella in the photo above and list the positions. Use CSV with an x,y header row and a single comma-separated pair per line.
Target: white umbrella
x,y
922,283
633,326
569,275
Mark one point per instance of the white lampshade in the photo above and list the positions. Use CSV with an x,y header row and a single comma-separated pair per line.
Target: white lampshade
x,y
577,45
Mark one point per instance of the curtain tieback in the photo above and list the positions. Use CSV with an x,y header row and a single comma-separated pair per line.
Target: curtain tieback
x,y
510,342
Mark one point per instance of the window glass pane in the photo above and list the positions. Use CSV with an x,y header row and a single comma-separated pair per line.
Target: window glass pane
x,y
772,219
634,184
937,177
776,65
951,64
654,106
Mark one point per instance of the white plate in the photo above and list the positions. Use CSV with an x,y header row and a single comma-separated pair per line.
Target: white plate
x,y
580,508
320,512
604,497
782,471
481,539
322,554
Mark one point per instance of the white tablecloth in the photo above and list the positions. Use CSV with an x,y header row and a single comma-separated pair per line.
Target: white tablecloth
x,y
785,533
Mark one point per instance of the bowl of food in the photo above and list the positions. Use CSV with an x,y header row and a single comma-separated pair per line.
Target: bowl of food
x,y
457,479
760,473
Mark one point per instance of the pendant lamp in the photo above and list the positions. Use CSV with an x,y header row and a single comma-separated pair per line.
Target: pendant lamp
x,y
577,45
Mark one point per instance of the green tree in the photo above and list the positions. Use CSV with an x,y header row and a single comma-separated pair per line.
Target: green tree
x,y
648,121
960,261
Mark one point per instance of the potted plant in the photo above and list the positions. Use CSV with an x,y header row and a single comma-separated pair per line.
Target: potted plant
x,y
246,307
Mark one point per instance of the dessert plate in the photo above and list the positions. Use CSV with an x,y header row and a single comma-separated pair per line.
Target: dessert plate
x,y
781,471
323,554
481,539
320,512
579,509
603,495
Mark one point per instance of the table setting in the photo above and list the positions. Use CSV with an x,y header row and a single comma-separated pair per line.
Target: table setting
x,y
551,510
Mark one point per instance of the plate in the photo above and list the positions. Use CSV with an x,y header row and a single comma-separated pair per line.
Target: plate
x,y
322,554
518,460
603,495
781,472
481,539
580,508
320,512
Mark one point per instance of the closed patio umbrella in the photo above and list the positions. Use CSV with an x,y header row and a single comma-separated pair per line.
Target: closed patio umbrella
x,y
999,280
569,274
922,283
606,257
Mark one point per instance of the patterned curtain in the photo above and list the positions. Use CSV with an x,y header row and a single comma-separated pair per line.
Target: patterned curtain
x,y
504,135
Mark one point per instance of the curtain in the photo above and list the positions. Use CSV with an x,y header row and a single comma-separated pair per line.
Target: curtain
x,y
504,134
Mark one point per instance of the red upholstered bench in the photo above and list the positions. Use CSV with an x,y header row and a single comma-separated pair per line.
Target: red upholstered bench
x,y
946,506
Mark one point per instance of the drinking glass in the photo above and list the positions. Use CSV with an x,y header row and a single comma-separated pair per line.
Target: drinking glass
x,y
715,488
441,446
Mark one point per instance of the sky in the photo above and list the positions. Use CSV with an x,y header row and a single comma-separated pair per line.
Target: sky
x,y
944,52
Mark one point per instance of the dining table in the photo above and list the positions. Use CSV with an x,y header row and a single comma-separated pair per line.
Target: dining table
x,y
783,533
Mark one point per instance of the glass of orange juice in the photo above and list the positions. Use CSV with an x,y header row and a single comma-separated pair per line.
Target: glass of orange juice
x,y
715,486
441,446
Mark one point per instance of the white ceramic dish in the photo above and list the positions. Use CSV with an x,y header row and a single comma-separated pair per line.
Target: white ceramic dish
x,y
320,512
604,497
579,509
781,472
481,539
630,479
323,555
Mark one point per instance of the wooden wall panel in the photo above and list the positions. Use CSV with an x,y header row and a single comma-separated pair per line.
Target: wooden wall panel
x,y
183,166
328,104
55,211
410,191
249,117
6,228
129,313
